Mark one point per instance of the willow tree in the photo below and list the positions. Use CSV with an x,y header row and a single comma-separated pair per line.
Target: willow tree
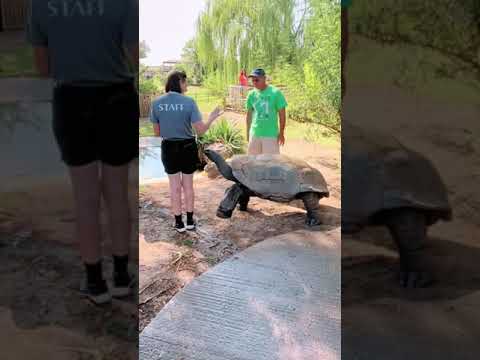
x,y
235,34
322,59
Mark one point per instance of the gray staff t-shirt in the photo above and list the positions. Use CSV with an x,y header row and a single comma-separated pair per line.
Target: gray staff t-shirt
x,y
87,40
175,113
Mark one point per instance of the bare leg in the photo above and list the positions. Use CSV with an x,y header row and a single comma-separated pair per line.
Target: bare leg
x,y
176,193
311,202
115,193
408,228
230,201
188,192
86,190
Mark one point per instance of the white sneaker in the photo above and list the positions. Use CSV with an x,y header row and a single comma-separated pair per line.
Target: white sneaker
x,y
97,293
180,227
191,225
122,285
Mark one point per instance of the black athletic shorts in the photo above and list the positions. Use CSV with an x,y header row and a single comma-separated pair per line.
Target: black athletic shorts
x,y
96,123
180,156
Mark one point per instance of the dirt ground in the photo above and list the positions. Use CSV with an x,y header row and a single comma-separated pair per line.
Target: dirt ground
x,y
443,313
41,309
169,261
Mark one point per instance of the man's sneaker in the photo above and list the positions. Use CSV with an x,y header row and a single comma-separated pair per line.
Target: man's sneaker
x,y
122,285
96,292
179,226
191,224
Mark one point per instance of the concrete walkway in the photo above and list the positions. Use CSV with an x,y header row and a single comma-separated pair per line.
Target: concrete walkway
x,y
279,299
28,150
18,90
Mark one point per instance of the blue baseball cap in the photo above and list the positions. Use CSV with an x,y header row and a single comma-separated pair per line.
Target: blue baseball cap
x,y
257,72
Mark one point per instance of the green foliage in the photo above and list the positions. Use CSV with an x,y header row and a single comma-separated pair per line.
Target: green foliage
x,y
215,83
188,243
191,64
297,43
226,133
313,83
17,62
441,38
154,85
322,45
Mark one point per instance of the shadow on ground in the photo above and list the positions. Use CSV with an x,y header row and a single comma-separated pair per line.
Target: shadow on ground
x,y
454,265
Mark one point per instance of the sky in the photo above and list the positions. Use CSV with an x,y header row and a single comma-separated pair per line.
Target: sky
x,y
166,25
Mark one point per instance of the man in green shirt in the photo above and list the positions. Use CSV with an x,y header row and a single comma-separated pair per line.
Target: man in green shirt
x,y
266,117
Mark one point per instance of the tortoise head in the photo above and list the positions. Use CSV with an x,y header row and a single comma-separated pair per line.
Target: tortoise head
x,y
223,167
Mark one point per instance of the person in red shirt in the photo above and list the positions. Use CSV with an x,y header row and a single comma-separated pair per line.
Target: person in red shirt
x,y
243,78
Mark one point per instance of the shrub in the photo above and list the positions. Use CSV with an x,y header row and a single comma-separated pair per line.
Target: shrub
x,y
226,133
150,86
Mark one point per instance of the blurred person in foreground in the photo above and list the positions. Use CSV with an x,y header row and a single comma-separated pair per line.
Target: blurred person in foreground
x,y
91,51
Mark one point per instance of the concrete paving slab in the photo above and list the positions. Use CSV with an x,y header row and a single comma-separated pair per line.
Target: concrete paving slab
x,y
279,299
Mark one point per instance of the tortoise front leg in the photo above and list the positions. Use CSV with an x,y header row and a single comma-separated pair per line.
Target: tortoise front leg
x,y
244,199
409,228
230,201
311,202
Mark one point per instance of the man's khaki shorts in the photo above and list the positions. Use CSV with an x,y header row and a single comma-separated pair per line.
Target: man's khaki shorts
x,y
263,145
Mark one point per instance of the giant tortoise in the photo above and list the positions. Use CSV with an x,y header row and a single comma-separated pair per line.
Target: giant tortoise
x,y
273,177
385,183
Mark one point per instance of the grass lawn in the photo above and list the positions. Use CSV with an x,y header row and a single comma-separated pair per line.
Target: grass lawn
x,y
205,100
295,131
17,62
309,132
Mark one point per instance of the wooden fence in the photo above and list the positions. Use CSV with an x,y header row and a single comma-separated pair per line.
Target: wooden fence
x,y
14,14
237,95
145,103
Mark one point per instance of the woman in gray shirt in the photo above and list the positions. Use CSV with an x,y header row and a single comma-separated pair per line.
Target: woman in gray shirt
x,y
174,116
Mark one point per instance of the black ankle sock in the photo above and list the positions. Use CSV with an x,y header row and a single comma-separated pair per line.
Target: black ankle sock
x,y
178,219
94,272
190,216
120,264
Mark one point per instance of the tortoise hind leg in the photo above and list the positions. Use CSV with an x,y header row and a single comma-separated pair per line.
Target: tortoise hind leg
x,y
409,228
230,201
311,202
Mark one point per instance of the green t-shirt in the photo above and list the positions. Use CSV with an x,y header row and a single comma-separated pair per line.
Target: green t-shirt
x,y
265,106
